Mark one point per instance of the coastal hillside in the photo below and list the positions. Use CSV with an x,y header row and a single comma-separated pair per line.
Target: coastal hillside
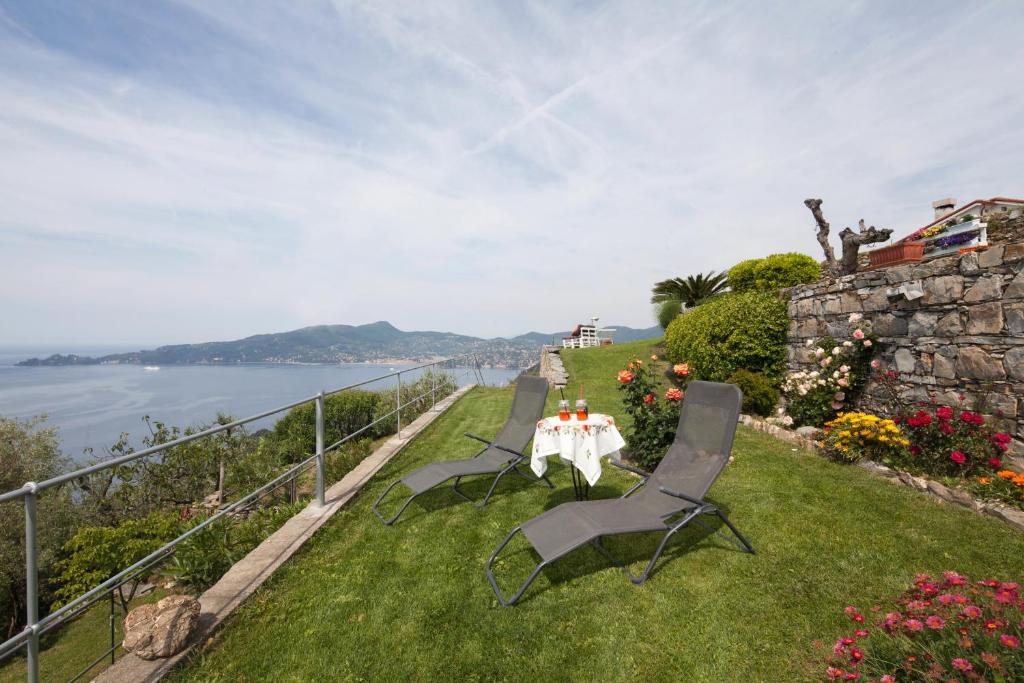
x,y
374,342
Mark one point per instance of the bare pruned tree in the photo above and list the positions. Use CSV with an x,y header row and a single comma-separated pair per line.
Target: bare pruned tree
x,y
852,241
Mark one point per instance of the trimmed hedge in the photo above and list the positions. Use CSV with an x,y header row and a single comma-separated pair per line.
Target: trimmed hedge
x,y
760,393
732,332
773,273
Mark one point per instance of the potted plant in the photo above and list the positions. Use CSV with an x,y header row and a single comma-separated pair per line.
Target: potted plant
x,y
896,254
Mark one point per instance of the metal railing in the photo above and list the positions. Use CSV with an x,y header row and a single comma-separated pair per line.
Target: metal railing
x,y
35,627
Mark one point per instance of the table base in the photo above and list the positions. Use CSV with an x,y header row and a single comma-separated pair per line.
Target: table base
x,y
580,485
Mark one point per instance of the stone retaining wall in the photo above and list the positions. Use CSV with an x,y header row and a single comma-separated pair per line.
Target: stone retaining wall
x,y
551,367
963,334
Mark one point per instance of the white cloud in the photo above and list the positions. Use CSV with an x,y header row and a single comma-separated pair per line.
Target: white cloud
x,y
486,169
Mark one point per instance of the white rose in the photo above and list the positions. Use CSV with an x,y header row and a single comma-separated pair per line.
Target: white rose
x,y
836,351
847,343
855,318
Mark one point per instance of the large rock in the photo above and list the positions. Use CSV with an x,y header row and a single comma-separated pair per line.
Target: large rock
x,y
991,257
985,289
1016,288
905,361
1014,362
944,367
1014,319
943,290
949,324
923,324
161,629
985,318
975,363
888,325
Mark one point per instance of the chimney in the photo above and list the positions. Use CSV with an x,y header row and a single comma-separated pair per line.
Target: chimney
x,y
943,207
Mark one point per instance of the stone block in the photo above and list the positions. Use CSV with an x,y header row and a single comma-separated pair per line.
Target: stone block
x,y
897,275
944,366
1016,288
905,361
984,289
944,289
991,257
1003,404
969,264
161,630
1013,252
985,318
877,300
849,302
949,325
977,364
1014,319
1013,362
922,324
831,306
889,325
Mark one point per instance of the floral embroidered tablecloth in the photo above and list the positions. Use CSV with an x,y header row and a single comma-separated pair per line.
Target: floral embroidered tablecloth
x,y
580,443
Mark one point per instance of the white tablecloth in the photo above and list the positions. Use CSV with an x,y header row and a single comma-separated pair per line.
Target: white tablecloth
x,y
580,443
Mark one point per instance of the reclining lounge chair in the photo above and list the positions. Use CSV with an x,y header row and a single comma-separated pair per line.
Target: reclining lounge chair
x,y
667,500
498,457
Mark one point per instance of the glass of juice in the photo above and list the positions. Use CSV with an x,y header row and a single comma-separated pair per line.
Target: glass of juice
x,y
563,411
582,413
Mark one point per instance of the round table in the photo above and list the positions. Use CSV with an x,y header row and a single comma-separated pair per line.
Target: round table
x,y
582,444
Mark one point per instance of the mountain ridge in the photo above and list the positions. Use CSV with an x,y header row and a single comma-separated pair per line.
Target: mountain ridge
x,y
373,342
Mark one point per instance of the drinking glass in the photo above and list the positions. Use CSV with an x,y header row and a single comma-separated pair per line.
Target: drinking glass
x,y
582,413
563,411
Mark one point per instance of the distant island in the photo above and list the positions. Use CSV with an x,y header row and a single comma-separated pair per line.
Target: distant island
x,y
379,342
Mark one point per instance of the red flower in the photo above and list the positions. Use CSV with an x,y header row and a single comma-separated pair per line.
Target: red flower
x,y
944,413
972,418
919,419
625,376
995,463
1012,642
961,664
992,624
946,428
649,399
915,449
1001,437
856,654
958,457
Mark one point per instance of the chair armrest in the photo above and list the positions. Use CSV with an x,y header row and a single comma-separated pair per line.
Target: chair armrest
x,y
676,494
491,444
629,468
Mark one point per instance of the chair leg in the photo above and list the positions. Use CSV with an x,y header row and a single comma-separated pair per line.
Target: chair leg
x,y
459,492
389,521
746,544
506,602
543,477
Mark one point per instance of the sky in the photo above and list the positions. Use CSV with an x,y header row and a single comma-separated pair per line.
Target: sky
x,y
176,172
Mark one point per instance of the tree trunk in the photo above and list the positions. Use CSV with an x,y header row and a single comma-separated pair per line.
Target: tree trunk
x,y
852,241
831,266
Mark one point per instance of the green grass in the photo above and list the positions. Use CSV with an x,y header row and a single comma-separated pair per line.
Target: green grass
x,y
362,601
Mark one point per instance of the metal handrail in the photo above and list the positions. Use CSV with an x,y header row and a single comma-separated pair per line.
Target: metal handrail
x,y
35,627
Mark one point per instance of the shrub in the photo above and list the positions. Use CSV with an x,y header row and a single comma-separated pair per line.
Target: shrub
x,y
759,392
667,311
813,397
344,413
854,436
952,442
729,333
655,415
773,273
947,629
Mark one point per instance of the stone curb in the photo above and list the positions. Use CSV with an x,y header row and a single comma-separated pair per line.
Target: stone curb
x,y
251,571
1011,516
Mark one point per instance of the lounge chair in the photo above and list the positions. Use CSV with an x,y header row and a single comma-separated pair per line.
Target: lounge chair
x,y
666,501
498,457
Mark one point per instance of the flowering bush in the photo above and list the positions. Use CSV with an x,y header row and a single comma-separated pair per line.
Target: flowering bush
x,y
952,442
853,436
813,397
655,414
1005,486
947,629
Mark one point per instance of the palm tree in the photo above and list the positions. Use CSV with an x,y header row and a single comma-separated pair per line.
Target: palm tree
x,y
692,291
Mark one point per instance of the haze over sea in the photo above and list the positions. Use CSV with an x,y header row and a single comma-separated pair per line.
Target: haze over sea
x,y
91,405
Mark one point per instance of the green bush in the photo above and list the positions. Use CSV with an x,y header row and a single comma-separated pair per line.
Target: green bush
x,y
667,311
760,393
344,413
773,273
729,333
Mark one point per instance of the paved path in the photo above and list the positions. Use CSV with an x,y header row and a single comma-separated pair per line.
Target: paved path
x,y
250,572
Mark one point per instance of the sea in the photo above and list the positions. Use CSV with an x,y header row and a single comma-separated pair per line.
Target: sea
x,y
91,405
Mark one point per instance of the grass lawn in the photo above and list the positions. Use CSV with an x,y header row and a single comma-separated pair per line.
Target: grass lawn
x,y
362,601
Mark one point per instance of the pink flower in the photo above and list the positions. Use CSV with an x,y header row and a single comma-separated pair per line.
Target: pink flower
x,y
674,394
649,399
875,364
971,612
958,457
935,622
961,664
843,382
1012,642
954,579
914,625
867,343
833,673
887,678
858,334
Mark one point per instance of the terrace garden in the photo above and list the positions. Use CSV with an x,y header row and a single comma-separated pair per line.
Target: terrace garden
x,y
362,601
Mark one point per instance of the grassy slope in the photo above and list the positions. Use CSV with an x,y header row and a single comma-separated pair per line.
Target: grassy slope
x,y
366,602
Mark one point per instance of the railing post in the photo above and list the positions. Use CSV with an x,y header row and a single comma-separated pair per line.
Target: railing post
x,y
320,464
31,583
433,386
398,404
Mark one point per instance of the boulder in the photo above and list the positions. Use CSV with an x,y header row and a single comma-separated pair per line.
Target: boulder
x,y
943,290
161,629
985,318
976,364
991,257
985,289
808,432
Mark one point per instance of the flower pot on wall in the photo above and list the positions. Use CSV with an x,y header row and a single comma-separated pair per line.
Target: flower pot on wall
x,y
896,254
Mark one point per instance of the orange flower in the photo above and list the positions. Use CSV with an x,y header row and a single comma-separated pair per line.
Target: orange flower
x,y
674,394
681,369
625,376
1006,474
653,357
984,480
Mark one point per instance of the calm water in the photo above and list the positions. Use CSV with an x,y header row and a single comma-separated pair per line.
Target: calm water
x,y
92,405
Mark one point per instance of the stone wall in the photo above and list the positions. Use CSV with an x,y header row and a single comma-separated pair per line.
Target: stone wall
x,y
963,336
1005,229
